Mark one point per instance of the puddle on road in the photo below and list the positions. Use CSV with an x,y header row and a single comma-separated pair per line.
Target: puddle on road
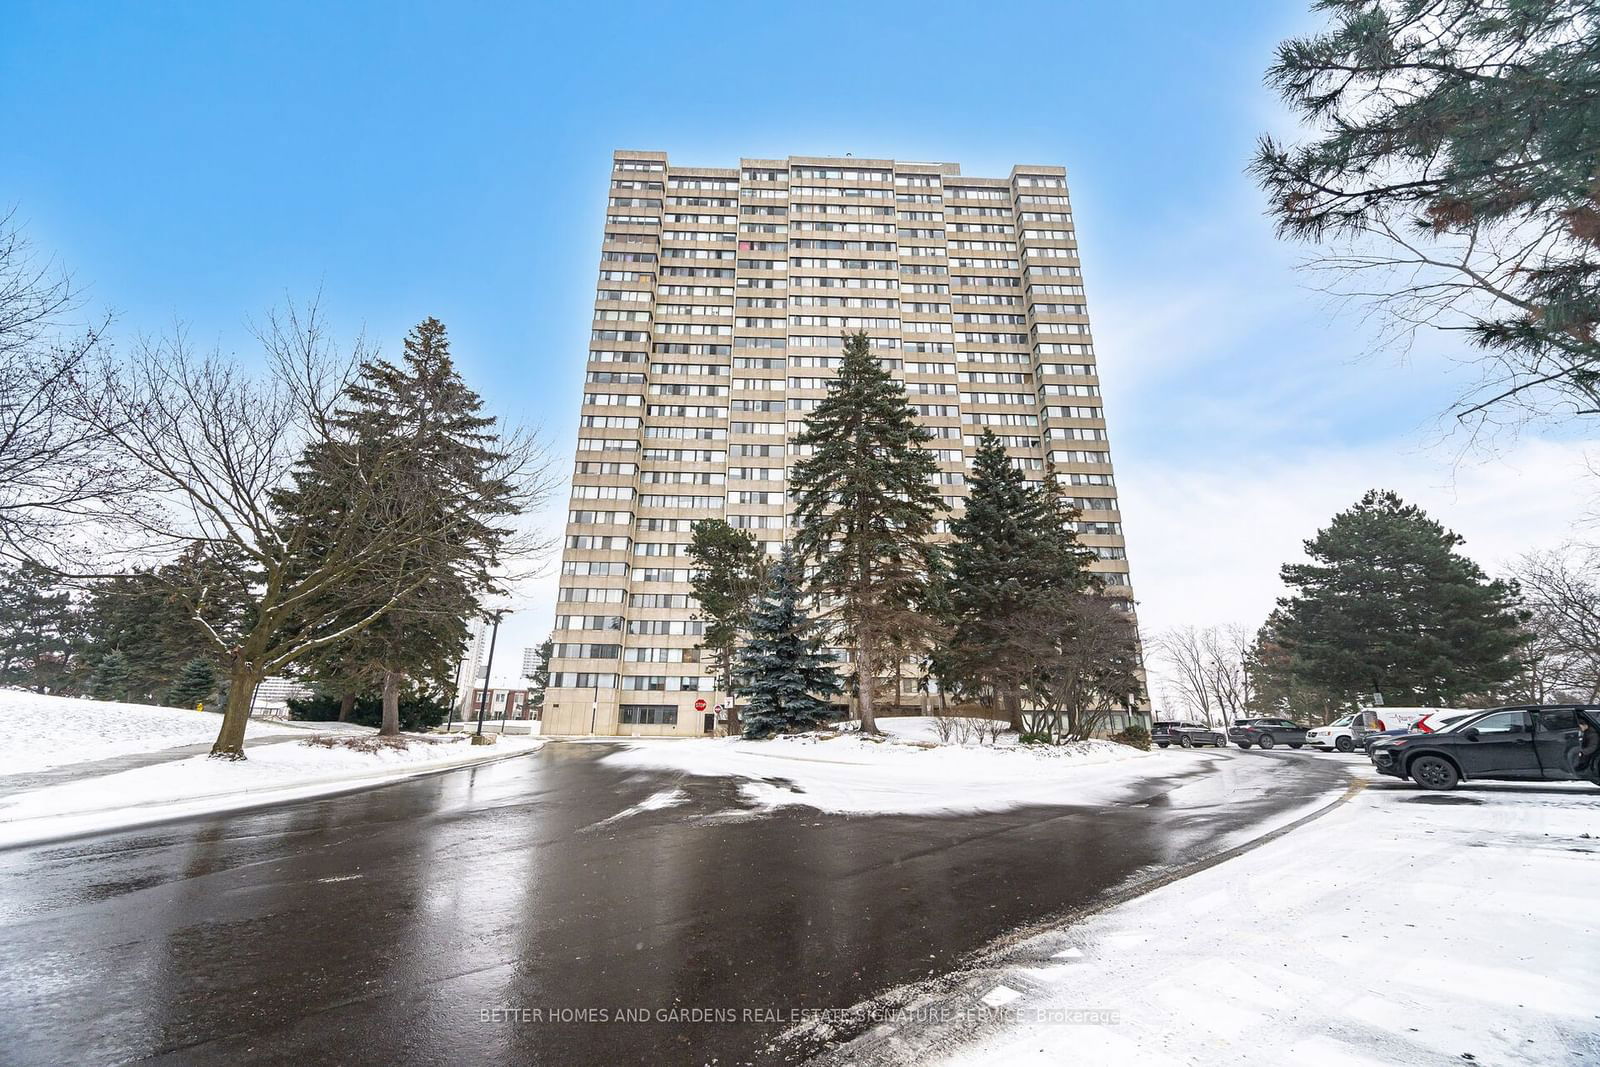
x,y
1426,799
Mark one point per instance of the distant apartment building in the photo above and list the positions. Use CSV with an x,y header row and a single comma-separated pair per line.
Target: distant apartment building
x,y
530,662
721,300
472,671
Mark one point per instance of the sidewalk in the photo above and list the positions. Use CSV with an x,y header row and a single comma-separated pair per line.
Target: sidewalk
x,y
176,784
12,784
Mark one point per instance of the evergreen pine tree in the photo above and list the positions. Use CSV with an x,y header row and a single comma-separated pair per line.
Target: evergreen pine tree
x,y
1013,546
159,619
783,673
730,568
864,504
196,681
1387,606
38,629
440,468
111,677
540,678
1450,159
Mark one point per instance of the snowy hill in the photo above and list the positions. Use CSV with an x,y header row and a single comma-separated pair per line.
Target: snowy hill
x,y
39,732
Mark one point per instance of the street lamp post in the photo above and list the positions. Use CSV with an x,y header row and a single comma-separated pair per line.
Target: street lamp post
x,y
488,670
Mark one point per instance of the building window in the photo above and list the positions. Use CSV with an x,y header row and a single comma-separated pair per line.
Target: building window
x,y
648,715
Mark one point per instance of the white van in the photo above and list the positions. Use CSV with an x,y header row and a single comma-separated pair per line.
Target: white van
x,y
1344,733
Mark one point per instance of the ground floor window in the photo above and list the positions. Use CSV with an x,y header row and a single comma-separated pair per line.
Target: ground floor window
x,y
649,715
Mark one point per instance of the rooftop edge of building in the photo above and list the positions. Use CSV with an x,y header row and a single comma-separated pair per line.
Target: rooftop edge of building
x,y
919,166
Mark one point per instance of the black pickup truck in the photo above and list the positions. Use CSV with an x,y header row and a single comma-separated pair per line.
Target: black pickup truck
x,y
1535,741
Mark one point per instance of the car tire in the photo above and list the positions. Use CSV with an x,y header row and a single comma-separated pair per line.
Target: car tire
x,y
1242,744
1344,744
1297,744
1266,741
1185,741
1434,772
1161,744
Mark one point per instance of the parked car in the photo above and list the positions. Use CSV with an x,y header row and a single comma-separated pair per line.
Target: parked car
x,y
1533,741
1266,733
1371,738
1440,719
1347,734
1185,735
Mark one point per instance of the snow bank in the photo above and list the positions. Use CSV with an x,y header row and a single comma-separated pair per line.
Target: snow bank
x,y
905,774
200,785
1402,927
41,732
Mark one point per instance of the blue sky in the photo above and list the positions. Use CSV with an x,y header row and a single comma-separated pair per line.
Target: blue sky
x,y
201,162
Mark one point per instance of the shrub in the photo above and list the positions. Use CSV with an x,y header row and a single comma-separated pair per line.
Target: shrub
x,y
1135,735
1035,738
417,713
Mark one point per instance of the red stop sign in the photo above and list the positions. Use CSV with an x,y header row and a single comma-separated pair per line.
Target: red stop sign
x,y
699,705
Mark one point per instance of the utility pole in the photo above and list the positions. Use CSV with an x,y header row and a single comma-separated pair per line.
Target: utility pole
x,y
488,670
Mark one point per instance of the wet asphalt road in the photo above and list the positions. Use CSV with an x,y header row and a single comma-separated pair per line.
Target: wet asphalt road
x,y
381,926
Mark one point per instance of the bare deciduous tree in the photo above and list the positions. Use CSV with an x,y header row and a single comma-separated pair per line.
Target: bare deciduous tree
x,y
1562,590
1228,650
1208,667
55,474
1183,651
1085,652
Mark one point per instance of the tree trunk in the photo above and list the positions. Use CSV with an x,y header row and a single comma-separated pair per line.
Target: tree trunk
x,y
347,706
236,716
734,730
391,704
1013,706
869,724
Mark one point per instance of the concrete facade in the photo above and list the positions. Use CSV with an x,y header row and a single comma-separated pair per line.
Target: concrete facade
x,y
721,298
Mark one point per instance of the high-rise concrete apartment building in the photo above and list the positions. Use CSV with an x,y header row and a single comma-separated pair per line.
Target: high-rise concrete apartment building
x,y
718,316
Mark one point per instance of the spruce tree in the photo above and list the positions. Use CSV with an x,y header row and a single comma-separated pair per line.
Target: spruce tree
x,y
441,470
784,675
864,505
196,681
1388,606
160,618
111,677
38,629
1013,547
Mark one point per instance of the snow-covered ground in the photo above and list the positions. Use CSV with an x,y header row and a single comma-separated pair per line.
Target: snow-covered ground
x,y
909,773
40,732
1403,927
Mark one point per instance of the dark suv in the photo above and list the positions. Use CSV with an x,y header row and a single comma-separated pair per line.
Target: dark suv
x,y
1266,733
1185,735
1532,741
